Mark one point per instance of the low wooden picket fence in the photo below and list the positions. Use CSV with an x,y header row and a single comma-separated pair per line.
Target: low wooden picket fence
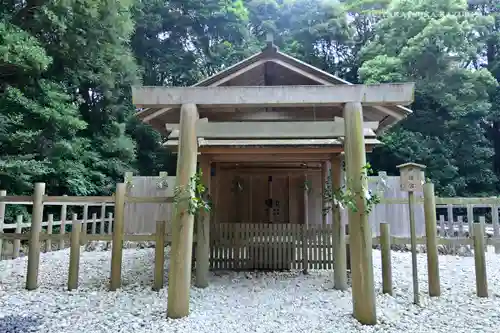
x,y
79,233
270,246
244,246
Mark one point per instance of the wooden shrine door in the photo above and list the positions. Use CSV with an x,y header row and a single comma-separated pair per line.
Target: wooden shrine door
x,y
260,196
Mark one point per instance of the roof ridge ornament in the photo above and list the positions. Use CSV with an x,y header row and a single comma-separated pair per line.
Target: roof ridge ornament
x,y
270,47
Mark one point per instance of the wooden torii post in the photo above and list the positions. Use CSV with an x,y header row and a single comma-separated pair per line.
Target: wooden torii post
x,y
179,274
352,97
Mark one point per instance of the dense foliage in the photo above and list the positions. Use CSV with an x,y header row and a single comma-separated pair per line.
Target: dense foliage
x,y
66,67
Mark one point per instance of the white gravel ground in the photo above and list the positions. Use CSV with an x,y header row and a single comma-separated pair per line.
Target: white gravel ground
x,y
240,302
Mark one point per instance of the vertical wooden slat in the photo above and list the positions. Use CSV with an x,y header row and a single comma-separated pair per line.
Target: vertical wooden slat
x,y
283,259
320,247
330,244
259,246
281,243
263,245
84,224
50,223
231,245
274,239
34,239
63,218
305,261
242,246
249,253
236,247
62,229
255,252
496,227
264,242
289,246
326,249
285,247
297,250
311,242
110,223
219,246
215,244
255,244
246,254
3,193
286,255
227,247
17,242
214,240
460,222
234,239
103,218
470,219
74,254
451,220
442,227
298,246
94,224
279,246
223,246
272,249
317,240
269,247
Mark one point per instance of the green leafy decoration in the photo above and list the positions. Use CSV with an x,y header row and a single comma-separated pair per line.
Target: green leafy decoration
x,y
195,194
346,197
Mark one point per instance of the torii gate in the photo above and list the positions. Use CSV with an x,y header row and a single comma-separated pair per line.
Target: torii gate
x,y
351,98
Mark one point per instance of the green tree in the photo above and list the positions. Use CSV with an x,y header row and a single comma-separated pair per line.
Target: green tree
x,y
89,42
434,43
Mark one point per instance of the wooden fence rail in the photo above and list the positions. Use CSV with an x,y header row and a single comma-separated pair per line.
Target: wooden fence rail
x,y
79,231
232,245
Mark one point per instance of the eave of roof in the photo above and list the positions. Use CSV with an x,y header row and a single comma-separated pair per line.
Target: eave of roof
x,y
271,53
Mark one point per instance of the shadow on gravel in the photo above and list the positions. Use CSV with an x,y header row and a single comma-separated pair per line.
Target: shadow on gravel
x,y
19,324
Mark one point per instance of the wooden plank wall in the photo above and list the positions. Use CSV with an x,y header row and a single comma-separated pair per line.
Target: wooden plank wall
x,y
140,218
397,215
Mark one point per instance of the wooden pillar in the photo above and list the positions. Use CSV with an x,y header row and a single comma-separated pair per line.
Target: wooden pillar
x,y
179,274
203,233
339,246
115,280
34,238
385,249
159,255
360,232
74,254
479,259
431,240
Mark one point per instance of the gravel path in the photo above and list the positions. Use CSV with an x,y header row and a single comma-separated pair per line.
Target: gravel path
x,y
239,302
